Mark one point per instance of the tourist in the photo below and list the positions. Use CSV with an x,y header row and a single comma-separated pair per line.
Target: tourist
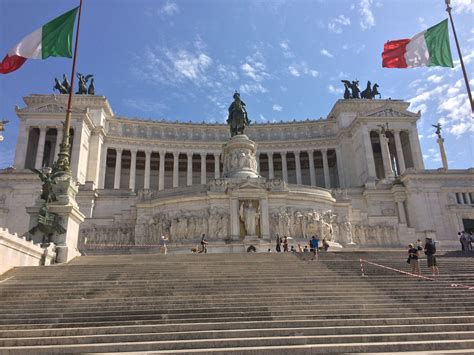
x,y
305,250
292,249
314,246
430,251
204,244
469,240
462,240
419,244
269,250
413,259
278,244
164,244
285,244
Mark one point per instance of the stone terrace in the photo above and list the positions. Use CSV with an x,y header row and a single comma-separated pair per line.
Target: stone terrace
x,y
236,303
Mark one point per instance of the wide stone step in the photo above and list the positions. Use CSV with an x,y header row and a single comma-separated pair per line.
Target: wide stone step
x,y
122,336
462,339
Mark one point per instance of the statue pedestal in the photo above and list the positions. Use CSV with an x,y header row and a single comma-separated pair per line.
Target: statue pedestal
x,y
239,158
66,210
70,220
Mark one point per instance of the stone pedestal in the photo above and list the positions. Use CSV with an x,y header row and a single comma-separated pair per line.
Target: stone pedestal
x,y
70,218
239,158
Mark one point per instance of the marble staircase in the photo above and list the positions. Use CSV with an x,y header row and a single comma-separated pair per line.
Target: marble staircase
x,y
236,303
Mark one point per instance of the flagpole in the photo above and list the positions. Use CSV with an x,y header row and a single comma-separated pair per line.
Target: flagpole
x,y
64,162
448,9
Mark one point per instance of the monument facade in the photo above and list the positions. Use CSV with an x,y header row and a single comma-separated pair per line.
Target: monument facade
x,y
348,177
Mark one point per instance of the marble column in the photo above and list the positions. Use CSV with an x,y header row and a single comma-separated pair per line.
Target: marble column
x,y
369,154
22,146
161,173
203,168
103,166
189,169
327,180
399,149
216,166
387,161
146,183
133,169
271,172
175,169
40,148
298,167
442,152
59,138
284,167
340,168
257,159
118,168
415,148
312,175
401,212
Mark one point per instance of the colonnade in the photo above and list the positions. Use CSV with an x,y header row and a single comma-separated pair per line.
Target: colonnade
x,y
184,165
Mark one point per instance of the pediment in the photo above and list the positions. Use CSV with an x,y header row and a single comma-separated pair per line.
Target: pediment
x,y
389,111
49,107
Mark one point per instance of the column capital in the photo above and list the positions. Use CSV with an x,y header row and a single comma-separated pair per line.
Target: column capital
x,y
310,152
296,152
189,154
202,154
283,154
147,152
175,154
133,150
119,150
217,155
324,150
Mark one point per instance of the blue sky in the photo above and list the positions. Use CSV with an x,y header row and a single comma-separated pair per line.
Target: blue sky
x,y
182,60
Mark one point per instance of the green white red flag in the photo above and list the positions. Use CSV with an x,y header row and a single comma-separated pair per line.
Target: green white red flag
x,y
54,39
426,49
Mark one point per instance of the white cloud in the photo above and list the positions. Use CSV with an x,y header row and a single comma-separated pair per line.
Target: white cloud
x,y
435,78
227,73
336,24
302,68
277,107
367,17
334,90
285,45
462,6
287,53
293,71
190,65
253,88
326,53
170,8
254,67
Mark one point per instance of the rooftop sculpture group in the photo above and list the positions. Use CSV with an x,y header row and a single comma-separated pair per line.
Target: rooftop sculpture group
x,y
355,93
65,86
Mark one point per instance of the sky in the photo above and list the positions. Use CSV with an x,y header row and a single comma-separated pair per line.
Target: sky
x,y
183,60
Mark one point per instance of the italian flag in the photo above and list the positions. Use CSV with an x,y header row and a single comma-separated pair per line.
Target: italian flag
x,y
429,48
52,40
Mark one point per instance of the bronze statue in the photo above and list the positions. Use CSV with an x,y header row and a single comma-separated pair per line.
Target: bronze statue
x,y
48,223
91,88
58,86
438,129
237,119
65,83
83,79
48,178
354,86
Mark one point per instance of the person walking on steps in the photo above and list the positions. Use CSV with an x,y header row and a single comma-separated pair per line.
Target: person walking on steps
x,y
278,244
314,246
430,251
164,244
204,244
413,255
